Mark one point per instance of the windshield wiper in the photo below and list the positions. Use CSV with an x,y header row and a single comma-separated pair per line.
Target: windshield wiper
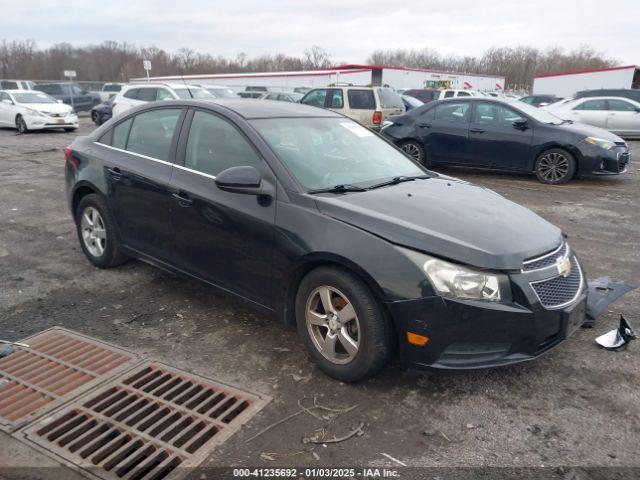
x,y
396,180
343,187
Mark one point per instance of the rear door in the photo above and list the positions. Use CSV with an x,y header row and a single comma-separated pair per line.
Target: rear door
x,y
142,152
447,134
222,237
623,117
495,140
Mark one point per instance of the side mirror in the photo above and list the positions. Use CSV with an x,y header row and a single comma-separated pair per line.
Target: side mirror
x,y
245,180
520,124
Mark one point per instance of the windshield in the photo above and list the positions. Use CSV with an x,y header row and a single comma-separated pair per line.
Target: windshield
x,y
541,116
223,92
33,97
195,93
389,98
325,152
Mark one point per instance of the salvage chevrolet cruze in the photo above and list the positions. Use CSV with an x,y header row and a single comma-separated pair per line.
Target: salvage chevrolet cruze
x,y
308,215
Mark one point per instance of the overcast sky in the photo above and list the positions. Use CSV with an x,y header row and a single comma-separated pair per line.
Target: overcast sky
x,y
349,29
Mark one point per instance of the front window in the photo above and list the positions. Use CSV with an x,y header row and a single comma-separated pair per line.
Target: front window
x,y
192,92
454,112
325,152
496,115
33,97
592,105
114,87
315,98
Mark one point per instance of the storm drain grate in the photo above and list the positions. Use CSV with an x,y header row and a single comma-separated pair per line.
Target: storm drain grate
x,y
58,366
145,424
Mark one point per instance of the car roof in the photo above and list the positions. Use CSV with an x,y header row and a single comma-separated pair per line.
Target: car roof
x,y
254,108
17,90
156,85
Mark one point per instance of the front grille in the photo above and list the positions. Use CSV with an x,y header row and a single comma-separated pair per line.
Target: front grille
x,y
546,260
560,291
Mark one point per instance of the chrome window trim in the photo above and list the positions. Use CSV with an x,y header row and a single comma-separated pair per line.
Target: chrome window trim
x,y
213,177
537,259
562,305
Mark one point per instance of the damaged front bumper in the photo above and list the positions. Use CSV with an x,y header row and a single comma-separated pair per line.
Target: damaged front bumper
x,y
468,335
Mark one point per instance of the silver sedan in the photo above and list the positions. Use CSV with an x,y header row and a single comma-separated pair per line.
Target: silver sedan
x,y
616,114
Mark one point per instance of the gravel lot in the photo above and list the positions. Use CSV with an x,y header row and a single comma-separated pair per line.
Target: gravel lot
x,y
577,406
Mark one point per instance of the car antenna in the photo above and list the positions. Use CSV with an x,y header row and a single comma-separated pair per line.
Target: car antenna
x,y
185,84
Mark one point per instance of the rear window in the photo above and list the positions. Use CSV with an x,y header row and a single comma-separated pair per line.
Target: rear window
x,y
389,98
152,132
147,94
120,133
133,93
361,99
9,85
112,88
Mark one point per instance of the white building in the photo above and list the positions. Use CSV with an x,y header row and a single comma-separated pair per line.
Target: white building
x,y
566,84
394,77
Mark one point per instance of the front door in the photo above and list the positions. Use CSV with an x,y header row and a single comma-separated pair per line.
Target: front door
x,y
497,139
623,117
222,237
446,133
138,172
592,112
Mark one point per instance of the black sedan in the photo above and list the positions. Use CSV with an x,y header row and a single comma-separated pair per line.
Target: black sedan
x,y
306,214
102,112
514,136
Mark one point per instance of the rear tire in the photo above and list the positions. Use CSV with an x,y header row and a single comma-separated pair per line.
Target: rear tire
x,y
97,233
555,166
95,118
352,339
414,150
21,125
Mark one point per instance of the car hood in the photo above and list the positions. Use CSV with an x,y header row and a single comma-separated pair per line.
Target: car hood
x,y
585,130
447,218
48,107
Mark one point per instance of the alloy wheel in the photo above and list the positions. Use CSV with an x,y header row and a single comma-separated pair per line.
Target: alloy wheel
x,y
333,324
94,234
553,167
21,125
413,151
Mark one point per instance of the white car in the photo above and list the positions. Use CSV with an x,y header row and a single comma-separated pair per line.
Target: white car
x,y
32,110
135,94
617,114
109,90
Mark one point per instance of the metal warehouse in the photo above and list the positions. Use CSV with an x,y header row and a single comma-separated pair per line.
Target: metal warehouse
x,y
377,75
566,84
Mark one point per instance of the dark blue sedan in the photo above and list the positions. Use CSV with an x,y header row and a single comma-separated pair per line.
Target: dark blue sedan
x,y
514,136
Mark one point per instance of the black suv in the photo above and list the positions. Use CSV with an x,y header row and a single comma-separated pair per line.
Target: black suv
x,y
71,94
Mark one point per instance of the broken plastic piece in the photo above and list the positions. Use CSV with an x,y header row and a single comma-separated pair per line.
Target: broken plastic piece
x,y
602,292
618,338
6,350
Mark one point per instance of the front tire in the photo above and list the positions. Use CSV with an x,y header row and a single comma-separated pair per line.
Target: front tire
x,y
95,118
21,125
97,233
342,325
415,151
555,166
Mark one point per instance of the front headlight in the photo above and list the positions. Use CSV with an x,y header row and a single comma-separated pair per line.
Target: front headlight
x,y
35,113
457,281
600,142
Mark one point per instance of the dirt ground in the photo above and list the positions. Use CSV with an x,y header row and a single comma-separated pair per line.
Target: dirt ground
x,y
576,406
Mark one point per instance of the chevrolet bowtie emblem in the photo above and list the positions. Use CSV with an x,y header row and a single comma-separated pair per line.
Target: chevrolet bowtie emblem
x,y
564,266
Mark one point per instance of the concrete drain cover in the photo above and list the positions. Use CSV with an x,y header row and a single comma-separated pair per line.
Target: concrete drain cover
x,y
58,366
145,424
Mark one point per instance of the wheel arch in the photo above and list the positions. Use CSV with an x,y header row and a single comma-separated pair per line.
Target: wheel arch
x,y
575,152
79,192
294,276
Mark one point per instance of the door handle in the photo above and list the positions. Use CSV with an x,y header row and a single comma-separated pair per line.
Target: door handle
x,y
115,173
183,199
425,125
477,130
